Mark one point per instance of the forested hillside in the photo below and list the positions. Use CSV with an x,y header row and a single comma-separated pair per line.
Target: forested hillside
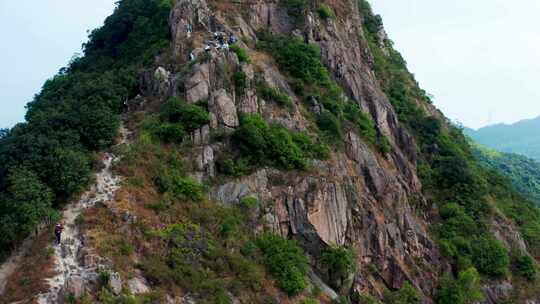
x,y
48,159
278,152
521,170
520,137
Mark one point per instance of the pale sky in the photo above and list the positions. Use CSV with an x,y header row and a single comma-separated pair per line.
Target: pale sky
x,y
37,38
479,58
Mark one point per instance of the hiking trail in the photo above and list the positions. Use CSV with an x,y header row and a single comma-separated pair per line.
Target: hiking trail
x,y
71,271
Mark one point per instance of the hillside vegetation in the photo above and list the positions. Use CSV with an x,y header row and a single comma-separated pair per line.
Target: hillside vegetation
x,y
467,193
48,159
523,172
520,137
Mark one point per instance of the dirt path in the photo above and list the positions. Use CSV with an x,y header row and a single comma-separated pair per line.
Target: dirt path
x,y
71,273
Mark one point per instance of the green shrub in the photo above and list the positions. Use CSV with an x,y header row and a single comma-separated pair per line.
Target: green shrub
x,y
233,167
330,126
30,202
489,256
362,121
176,119
285,261
125,248
103,278
299,59
457,222
169,132
274,145
241,53
251,136
189,116
406,295
181,186
373,24
310,301
362,298
463,290
383,144
249,249
106,297
326,12
317,150
526,267
339,261
249,202
274,94
283,151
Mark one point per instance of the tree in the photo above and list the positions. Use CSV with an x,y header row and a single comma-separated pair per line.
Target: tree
x,y
69,171
97,126
31,200
489,256
286,261
330,125
339,262
189,116
526,267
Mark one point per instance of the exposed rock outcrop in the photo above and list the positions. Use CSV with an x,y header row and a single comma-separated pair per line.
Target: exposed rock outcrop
x,y
358,198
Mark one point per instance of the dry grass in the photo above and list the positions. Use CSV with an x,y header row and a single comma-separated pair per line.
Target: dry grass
x,y
29,278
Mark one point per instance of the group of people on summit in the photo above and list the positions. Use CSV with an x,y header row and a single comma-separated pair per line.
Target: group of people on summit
x,y
221,41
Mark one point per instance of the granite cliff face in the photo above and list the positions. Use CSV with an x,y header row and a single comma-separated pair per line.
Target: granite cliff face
x,y
358,198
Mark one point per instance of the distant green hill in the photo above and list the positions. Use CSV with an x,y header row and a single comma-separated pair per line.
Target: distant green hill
x,y
522,137
521,170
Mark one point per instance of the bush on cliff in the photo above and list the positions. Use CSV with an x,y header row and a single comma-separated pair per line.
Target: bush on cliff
x,y
339,262
463,290
175,120
526,267
285,260
190,116
261,144
406,295
489,256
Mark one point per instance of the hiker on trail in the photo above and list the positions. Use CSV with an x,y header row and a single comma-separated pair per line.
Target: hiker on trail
x,y
58,232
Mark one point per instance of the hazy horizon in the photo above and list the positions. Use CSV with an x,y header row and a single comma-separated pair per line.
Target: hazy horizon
x,y
478,58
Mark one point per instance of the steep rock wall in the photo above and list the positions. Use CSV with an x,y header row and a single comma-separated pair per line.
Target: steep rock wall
x,y
358,198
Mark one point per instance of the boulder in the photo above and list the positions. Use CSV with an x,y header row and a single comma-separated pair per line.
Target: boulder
x,y
138,285
162,81
115,283
223,108
198,85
